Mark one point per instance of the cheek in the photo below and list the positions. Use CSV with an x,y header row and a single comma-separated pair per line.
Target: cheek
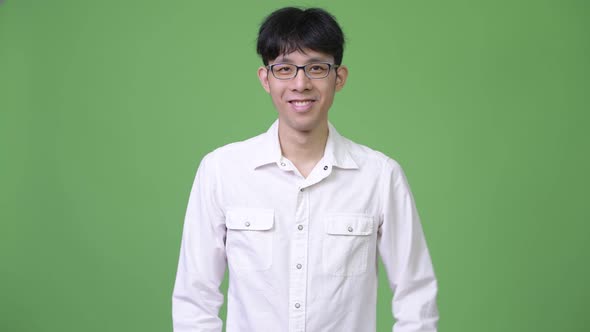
x,y
276,91
276,97
274,94
328,92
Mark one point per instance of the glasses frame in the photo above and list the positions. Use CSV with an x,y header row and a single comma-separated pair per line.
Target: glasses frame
x,y
330,66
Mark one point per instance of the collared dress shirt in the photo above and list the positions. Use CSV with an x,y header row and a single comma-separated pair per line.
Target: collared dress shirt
x,y
302,252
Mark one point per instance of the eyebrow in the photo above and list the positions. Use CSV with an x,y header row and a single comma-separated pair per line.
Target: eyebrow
x,y
312,60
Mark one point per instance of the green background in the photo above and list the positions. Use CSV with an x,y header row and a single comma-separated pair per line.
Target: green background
x,y
107,107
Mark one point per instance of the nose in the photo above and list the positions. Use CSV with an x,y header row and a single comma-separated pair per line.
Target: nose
x,y
301,82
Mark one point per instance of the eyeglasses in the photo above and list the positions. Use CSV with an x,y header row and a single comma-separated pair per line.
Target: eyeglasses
x,y
287,71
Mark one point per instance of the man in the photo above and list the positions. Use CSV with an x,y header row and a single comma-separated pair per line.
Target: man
x,y
299,213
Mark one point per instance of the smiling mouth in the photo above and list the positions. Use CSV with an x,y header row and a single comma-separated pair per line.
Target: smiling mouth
x,y
301,103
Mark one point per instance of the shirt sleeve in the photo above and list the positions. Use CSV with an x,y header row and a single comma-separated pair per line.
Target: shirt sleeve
x,y
196,298
402,248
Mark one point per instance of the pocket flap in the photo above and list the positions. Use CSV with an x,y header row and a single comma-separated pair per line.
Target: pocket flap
x,y
249,219
349,224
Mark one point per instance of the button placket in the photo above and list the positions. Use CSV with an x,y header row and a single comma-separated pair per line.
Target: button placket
x,y
299,254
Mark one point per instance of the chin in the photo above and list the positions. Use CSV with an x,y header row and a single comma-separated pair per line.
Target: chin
x,y
303,126
301,122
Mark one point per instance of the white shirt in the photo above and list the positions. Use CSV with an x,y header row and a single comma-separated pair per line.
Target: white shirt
x,y
302,252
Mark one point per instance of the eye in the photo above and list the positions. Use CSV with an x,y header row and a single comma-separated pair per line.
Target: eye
x,y
283,69
318,68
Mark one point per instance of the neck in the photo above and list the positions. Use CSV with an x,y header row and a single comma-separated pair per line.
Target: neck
x,y
303,148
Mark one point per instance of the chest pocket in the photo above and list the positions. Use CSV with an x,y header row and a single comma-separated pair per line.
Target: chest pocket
x,y
249,240
349,241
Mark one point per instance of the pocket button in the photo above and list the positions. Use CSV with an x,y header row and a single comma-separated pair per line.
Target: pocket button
x,y
249,239
348,243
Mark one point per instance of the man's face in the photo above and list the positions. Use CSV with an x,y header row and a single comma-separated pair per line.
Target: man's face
x,y
303,103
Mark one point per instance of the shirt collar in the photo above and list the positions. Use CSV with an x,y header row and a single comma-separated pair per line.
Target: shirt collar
x,y
337,150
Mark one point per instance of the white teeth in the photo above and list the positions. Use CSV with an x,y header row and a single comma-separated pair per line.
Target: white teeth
x,y
301,103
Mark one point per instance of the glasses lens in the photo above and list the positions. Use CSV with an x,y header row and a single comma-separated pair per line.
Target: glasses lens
x,y
317,70
284,71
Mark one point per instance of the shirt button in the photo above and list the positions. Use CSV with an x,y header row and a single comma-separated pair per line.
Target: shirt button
x,y
299,266
349,229
300,227
297,305
301,189
247,223
325,168
283,164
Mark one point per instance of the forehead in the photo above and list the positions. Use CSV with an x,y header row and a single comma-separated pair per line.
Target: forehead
x,y
303,56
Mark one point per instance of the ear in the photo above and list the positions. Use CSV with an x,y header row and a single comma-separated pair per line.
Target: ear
x,y
341,76
263,77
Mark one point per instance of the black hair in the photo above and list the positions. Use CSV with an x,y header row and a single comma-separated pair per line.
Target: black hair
x,y
289,29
